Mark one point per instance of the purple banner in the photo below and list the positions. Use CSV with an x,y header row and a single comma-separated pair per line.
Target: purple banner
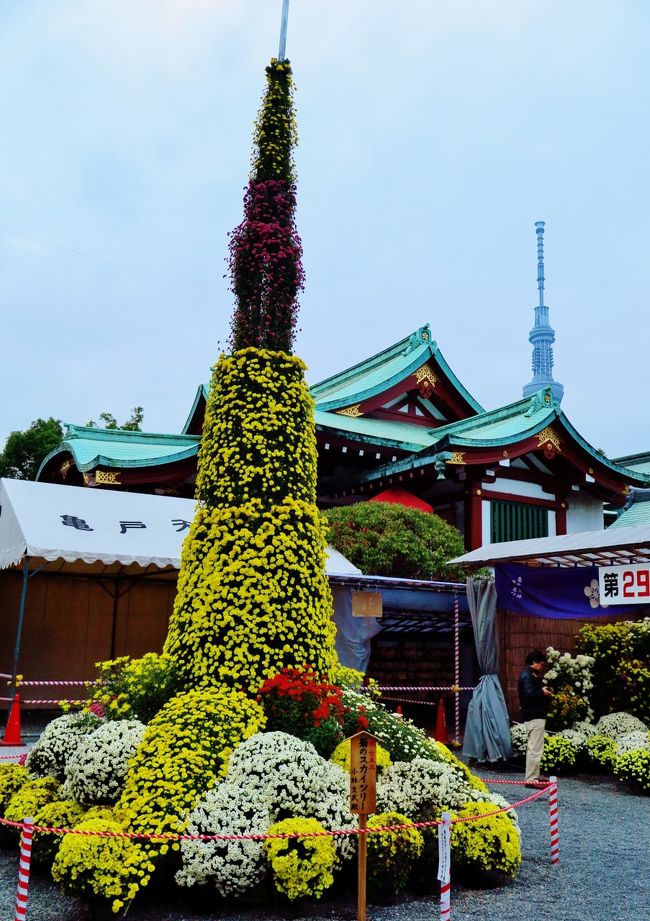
x,y
547,592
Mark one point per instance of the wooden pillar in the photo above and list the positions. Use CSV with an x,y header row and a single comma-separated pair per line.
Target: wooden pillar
x,y
560,515
473,515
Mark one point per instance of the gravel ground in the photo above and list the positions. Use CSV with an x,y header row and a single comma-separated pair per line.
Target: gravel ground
x,y
603,874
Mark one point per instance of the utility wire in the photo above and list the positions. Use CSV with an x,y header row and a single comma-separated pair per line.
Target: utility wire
x,y
104,259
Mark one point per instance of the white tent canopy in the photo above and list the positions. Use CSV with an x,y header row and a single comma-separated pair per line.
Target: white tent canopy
x,y
51,523
610,547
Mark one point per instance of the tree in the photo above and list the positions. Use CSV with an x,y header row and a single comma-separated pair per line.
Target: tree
x,y
25,451
385,539
132,424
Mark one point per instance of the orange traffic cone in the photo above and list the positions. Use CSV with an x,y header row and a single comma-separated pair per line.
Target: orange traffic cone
x,y
440,732
12,730
398,712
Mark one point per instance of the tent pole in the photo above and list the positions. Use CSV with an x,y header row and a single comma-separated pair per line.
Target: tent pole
x,y
116,601
19,630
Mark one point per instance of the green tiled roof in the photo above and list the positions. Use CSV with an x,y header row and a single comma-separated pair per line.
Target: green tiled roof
x,y
94,447
403,435
637,510
381,371
499,428
640,463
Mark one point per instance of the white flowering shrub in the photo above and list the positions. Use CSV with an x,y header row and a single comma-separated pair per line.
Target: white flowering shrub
x,y
634,742
294,781
576,737
585,727
233,866
519,738
617,725
271,777
58,742
421,787
95,772
571,680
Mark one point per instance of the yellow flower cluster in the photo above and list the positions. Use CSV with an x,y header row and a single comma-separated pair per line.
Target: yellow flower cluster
x,y
341,756
258,437
301,867
100,868
392,854
276,128
12,778
485,845
135,688
31,797
252,596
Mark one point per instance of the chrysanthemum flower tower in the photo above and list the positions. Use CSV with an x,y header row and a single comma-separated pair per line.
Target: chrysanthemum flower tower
x,y
252,592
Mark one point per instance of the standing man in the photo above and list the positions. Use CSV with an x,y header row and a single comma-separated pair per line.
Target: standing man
x,y
534,700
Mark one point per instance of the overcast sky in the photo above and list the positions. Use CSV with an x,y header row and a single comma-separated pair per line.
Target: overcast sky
x,y
433,133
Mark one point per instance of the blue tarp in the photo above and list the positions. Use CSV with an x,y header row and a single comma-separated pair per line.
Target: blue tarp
x,y
552,592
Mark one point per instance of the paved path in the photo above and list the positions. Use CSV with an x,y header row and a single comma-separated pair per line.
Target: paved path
x,y
603,874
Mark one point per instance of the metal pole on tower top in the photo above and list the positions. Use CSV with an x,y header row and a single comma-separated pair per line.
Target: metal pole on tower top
x,y
282,53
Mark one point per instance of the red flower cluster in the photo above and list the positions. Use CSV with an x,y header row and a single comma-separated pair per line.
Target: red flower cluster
x,y
316,700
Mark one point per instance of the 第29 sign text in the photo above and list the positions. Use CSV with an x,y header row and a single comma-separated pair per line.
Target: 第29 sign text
x,y
624,584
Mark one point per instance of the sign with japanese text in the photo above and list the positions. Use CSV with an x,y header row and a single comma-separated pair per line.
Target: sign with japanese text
x,y
624,584
367,604
363,773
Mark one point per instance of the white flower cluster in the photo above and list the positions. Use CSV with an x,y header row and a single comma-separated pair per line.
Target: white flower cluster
x,y
585,727
233,866
519,738
617,725
634,742
419,787
576,737
271,776
58,742
567,669
95,772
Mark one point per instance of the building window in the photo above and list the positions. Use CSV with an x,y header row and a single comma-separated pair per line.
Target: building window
x,y
517,521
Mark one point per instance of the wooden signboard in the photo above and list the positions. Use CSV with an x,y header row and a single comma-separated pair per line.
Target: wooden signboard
x,y
363,800
367,604
363,773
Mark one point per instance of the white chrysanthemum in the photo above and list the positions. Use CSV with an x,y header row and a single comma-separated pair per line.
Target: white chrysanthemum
x,y
233,866
585,727
95,772
577,738
58,742
292,780
519,738
419,787
635,741
617,725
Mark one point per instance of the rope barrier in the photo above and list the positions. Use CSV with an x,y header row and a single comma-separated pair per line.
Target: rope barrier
x,y
407,687
55,700
343,832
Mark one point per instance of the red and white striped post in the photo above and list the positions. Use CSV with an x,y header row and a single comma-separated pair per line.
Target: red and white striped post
x,y
23,869
554,820
444,866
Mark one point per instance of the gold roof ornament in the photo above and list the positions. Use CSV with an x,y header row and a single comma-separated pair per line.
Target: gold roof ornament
x,y
548,437
353,411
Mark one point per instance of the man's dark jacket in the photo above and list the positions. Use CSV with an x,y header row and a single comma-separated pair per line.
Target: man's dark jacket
x,y
534,703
